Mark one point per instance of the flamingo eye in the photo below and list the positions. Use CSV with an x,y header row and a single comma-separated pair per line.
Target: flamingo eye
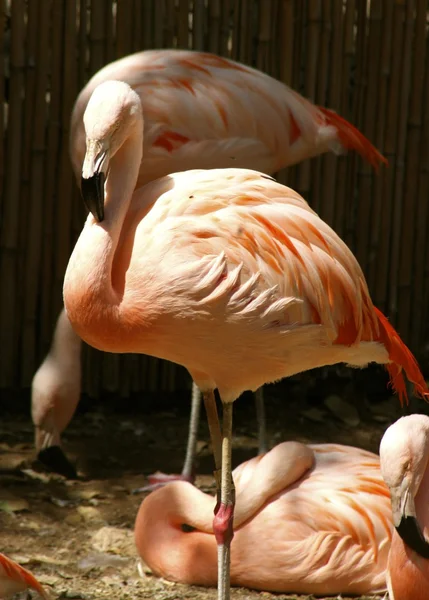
x,y
186,528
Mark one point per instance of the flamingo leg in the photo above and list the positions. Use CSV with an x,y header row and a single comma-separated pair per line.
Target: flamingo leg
x,y
194,422
215,435
159,479
261,420
224,510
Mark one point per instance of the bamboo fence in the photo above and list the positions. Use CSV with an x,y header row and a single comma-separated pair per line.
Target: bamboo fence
x,y
366,59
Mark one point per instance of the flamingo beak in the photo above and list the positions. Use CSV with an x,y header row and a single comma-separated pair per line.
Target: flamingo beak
x,y
94,172
405,519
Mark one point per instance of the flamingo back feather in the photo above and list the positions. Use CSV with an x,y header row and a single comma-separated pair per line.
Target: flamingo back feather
x,y
352,138
401,359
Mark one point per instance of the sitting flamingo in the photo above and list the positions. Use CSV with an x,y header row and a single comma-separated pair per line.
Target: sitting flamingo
x,y
309,519
14,579
404,460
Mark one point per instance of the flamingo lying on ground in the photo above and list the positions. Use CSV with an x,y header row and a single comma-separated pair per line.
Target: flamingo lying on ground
x,y
224,271
14,579
404,458
309,519
201,111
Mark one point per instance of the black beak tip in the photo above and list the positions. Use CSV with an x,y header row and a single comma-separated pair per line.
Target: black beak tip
x,y
92,190
410,532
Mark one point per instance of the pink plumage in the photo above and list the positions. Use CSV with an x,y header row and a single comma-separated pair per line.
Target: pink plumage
x,y
309,519
14,578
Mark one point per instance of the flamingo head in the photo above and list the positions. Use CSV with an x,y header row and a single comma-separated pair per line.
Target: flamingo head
x,y
404,457
113,111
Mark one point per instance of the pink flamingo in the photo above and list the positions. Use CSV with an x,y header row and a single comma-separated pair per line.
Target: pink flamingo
x,y
200,111
14,579
404,459
55,393
309,519
224,271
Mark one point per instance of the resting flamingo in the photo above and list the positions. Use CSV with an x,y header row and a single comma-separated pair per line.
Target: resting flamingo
x,y
404,459
223,271
204,111
14,579
309,519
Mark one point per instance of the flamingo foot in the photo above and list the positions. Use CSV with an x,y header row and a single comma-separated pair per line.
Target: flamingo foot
x,y
158,480
54,459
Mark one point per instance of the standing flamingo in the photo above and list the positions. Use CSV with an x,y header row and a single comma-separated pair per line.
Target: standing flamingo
x,y
203,111
309,519
223,271
404,459
14,579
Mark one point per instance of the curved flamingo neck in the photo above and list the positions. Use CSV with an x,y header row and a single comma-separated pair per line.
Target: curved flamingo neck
x,y
89,293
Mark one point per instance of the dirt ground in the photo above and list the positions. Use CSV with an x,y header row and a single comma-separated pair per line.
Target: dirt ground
x,y
76,536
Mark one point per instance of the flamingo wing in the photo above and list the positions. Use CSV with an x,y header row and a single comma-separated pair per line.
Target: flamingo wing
x,y
14,578
205,111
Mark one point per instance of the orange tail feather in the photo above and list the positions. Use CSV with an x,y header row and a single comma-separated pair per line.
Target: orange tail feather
x,y
402,359
352,138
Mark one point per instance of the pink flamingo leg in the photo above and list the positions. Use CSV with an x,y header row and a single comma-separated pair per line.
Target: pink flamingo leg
x,y
224,510
159,479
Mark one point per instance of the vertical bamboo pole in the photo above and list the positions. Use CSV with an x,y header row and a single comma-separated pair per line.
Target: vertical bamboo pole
x,y
226,29
321,192
285,41
124,27
214,26
97,36
170,38
33,250
3,82
83,43
388,104
403,60
9,324
416,153
313,46
367,116
198,25
159,20
403,224
51,170
342,197
330,163
182,24
423,195
109,39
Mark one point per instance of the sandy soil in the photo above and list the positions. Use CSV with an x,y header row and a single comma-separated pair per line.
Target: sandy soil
x,y
76,536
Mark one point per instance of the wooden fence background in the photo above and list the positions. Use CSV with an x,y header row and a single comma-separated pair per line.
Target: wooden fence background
x,y
369,60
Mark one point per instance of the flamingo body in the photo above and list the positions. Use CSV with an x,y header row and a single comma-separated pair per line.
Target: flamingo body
x,y
202,111
309,519
233,262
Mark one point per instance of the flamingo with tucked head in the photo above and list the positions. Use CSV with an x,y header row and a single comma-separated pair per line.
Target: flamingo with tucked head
x,y
309,519
200,111
223,271
404,458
